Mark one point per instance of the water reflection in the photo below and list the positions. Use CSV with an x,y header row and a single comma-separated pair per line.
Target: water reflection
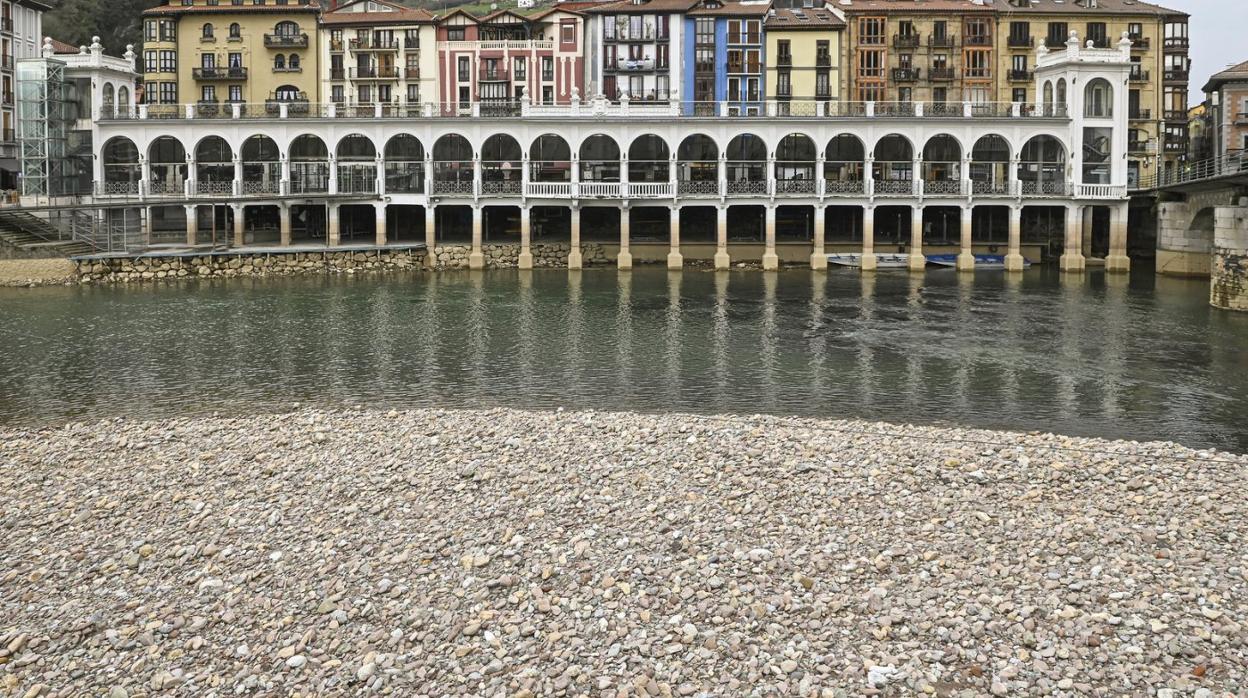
x,y
1140,357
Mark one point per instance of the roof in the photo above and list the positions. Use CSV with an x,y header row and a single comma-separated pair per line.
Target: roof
x,y
731,8
547,11
1234,73
1103,7
624,7
61,47
172,9
399,15
786,19
877,7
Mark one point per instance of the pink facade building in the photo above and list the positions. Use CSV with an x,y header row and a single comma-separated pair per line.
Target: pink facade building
x,y
495,59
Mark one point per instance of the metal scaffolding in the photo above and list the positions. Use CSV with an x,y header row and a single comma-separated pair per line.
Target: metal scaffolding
x,y
43,127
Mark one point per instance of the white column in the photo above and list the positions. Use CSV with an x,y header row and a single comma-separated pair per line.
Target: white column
x,y
147,226
722,172
818,255
379,209
574,254
238,176
283,214
1014,257
966,257
625,259
869,262
722,259
283,186
476,258
1072,257
771,262
431,237
192,225
674,259
525,260
381,175
145,175
333,174
334,237
916,261
1117,260
239,211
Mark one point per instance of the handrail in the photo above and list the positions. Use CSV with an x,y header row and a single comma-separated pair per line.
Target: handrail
x,y
1212,168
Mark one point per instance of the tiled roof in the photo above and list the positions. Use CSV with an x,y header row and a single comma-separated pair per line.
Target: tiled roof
x,y
61,47
1104,7
859,7
400,15
1234,73
230,9
750,8
650,7
785,19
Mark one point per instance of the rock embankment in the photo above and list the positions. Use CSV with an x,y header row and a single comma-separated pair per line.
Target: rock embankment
x,y
523,554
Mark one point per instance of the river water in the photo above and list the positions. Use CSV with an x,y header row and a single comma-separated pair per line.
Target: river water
x,y
1097,355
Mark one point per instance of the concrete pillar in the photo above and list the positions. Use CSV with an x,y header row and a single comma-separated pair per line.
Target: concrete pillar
x,y
675,260
771,261
868,262
1014,256
379,209
818,255
237,187
1184,244
966,259
574,255
283,215
476,258
333,174
1086,237
431,236
240,219
722,259
1117,260
147,226
1072,257
916,261
334,238
525,260
192,225
1229,270
625,259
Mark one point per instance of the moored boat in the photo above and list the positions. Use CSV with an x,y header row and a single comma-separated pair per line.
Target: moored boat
x,y
883,261
982,261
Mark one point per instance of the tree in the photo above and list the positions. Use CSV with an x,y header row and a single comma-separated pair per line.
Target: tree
x,y
116,22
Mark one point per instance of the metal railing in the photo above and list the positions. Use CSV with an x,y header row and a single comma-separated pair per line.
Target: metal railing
x,y
1222,166
286,40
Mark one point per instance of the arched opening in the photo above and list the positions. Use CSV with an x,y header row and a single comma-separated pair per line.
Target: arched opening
x,y
1098,99
501,165
550,159
279,62
292,63
1059,101
942,165
1048,95
214,166
286,29
121,166
357,164
236,31
108,103
649,160
1042,167
600,164
262,166
405,165
894,165
844,160
795,165
452,165
123,101
1098,154
990,165
206,30
309,165
697,165
166,161
746,161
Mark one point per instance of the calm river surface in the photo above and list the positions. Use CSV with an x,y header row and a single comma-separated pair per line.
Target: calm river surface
x,y
1088,355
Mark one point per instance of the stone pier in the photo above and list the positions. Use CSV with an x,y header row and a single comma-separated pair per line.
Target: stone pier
x,y
1229,271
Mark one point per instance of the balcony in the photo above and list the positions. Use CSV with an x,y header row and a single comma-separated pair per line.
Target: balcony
x,y
646,34
905,41
1140,146
288,69
6,24
1140,43
1175,115
8,136
207,108
8,62
1141,115
784,60
1055,43
285,40
941,74
1099,41
905,74
1020,75
747,68
234,73
1177,43
337,74
1139,74
294,107
1176,146
207,38
629,65
374,44
744,37
823,60
978,40
7,99
335,45
384,72
411,73
1175,76
941,41
495,75
1021,41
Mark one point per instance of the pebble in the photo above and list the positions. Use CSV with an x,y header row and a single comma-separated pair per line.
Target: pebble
x,y
500,552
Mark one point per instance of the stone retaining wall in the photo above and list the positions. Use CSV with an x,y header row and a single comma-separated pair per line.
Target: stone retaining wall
x,y
1229,283
260,264
506,256
36,272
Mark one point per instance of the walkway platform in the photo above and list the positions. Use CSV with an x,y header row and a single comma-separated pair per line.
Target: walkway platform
x,y
177,251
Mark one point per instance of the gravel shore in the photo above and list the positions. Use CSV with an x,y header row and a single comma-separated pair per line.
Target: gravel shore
x,y
496,553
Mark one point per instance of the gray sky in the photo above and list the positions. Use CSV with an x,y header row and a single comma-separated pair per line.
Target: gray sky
x,y
1217,34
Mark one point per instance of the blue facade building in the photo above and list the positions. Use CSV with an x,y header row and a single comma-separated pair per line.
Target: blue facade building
x,y
724,49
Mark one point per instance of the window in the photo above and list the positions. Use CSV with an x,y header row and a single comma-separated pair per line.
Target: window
x,y
208,61
236,93
464,69
548,68
871,92
1057,34
905,28
871,31
940,95
1020,33
905,61
784,86
149,30
704,30
1135,31
905,94
1019,95
168,61
208,93
286,29
455,34
236,32
1018,63
940,29
168,30
823,55
279,62
335,93
784,51
822,85
567,33
413,94
871,64
149,61
287,93
940,61
1098,99
978,32
207,31
168,93
1097,34
520,68
293,61
236,60
978,63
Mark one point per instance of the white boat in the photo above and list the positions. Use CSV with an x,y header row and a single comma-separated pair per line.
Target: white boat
x,y
882,261
982,261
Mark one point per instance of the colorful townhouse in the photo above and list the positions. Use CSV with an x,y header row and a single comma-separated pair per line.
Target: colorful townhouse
x,y
723,52
378,53
634,48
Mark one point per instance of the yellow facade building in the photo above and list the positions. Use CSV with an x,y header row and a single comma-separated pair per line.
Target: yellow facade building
x,y
217,53
803,56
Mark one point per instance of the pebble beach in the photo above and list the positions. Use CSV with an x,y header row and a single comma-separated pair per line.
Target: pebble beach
x,y
507,553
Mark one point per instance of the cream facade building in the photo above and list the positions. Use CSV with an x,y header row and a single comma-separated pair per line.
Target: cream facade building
x,y
222,57
803,54
376,53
